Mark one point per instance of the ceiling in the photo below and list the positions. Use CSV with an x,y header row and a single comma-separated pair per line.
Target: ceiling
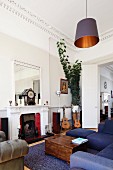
x,y
62,16
65,14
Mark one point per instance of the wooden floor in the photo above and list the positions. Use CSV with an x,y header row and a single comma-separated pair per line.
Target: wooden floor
x,y
25,168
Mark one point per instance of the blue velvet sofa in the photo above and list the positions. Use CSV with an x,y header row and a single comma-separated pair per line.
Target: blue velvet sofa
x,y
100,148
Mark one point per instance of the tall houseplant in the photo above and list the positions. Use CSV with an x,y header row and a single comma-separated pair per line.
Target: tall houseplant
x,y
72,72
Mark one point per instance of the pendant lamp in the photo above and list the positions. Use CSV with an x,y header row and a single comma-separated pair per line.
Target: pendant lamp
x,y
86,33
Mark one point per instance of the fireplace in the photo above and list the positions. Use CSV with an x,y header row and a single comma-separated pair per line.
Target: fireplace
x,y
14,114
29,126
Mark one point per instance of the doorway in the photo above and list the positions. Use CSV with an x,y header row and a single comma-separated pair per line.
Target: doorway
x,y
104,106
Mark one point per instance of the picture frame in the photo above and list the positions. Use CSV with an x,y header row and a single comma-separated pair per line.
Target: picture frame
x,y
64,86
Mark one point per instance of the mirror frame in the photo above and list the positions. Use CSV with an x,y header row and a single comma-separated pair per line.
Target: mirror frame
x,y
28,66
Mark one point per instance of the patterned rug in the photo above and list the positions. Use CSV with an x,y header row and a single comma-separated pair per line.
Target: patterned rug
x,y
37,160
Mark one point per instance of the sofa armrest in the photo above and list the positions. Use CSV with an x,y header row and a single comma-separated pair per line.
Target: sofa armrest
x,y
13,149
100,127
2,136
89,161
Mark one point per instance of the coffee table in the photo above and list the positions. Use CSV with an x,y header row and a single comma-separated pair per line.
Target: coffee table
x,y
62,147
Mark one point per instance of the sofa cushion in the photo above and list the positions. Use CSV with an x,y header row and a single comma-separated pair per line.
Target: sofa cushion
x,y
108,127
107,152
79,132
89,161
99,141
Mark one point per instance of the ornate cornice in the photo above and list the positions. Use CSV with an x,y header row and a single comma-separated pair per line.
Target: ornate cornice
x,y
107,35
29,17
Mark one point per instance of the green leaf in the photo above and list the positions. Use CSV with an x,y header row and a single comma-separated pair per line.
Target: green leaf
x,y
72,72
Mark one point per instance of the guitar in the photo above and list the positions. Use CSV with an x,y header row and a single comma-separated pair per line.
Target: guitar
x,y
76,120
65,122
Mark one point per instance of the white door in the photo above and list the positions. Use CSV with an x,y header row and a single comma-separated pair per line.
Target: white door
x,y
90,96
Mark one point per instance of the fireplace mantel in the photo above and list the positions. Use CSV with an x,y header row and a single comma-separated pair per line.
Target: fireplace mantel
x,y
14,112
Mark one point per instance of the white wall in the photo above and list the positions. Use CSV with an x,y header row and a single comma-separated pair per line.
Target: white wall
x,y
51,70
56,73
12,49
6,84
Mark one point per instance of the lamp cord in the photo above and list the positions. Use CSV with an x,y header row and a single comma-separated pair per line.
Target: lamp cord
x,y
86,8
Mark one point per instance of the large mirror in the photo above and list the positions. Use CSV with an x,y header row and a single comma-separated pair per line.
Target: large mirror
x,y
26,77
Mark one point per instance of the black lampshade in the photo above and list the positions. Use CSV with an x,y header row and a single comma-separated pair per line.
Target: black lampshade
x,y
86,33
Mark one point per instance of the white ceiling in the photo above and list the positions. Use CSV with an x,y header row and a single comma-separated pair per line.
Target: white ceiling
x,y
65,14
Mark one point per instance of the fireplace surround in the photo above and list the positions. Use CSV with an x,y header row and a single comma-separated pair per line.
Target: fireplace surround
x,y
39,118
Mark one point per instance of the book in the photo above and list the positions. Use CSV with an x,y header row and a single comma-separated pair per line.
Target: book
x,y
79,140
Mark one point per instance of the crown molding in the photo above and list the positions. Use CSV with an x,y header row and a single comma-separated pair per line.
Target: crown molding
x,y
31,18
107,35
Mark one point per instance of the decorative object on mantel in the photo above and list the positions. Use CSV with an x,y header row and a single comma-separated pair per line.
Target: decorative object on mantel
x,y
72,72
46,102
29,96
10,102
40,101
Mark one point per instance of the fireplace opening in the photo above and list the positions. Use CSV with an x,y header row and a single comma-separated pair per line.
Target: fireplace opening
x,y
30,126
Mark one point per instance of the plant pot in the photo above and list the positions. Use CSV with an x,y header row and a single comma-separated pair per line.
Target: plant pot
x,y
75,108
